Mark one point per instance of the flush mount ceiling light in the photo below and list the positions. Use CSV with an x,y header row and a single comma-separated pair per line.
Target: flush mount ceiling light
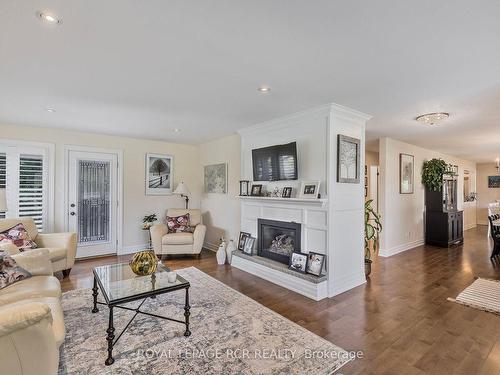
x,y
264,89
433,118
177,130
49,18
50,109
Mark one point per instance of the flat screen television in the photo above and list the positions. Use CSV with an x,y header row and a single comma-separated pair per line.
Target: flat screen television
x,y
275,163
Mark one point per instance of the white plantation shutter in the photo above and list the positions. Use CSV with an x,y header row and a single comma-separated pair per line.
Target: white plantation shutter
x,y
3,176
24,172
31,189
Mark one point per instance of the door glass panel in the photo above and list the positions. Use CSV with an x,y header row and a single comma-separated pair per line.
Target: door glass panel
x,y
93,201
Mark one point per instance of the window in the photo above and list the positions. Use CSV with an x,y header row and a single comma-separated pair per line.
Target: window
x,y
25,176
31,197
3,176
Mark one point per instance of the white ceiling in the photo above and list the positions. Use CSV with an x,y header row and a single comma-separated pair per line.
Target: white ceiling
x,y
143,68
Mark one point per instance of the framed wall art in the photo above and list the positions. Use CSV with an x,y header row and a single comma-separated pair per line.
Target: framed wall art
x,y
348,159
406,173
159,174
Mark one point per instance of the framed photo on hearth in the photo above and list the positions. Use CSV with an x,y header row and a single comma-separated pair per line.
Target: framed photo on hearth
x,y
248,247
406,173
315,262
241,240
298,262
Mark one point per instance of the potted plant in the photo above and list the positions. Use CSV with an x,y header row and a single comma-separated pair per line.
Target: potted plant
x,y
432,178
373,227
147,223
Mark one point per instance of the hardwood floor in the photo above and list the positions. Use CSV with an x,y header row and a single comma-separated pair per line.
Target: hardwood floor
x,y
400,318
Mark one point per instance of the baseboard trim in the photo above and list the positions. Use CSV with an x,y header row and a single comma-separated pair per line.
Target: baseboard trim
x,y
211,246
345,283
472,226
400,248
132,249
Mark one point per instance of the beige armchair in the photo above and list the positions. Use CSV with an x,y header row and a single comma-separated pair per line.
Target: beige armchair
x,y
61,246
31,319
165,243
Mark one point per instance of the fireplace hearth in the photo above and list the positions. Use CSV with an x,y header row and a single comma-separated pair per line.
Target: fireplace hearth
x,y
277,240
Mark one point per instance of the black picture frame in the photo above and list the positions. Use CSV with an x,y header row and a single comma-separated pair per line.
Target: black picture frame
x,y
342,159
249,244
241,240
256,190
311,257
294,258
287,192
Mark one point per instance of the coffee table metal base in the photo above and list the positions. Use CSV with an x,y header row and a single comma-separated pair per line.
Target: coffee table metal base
x,y
110,338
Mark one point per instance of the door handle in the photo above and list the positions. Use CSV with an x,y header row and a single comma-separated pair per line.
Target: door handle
x,y
72,213
72,205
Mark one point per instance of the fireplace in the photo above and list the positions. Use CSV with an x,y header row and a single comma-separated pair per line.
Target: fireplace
x,y
278,239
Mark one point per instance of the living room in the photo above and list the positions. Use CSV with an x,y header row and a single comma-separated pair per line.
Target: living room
x,y
246,187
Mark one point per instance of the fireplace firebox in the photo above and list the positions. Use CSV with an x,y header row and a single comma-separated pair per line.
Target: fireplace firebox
x,y
277,240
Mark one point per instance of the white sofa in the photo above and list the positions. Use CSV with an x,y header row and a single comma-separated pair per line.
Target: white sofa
x,y
165,243
61,246
31,319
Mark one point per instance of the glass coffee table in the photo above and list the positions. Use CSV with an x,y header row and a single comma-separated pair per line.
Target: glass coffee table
x,y
119,285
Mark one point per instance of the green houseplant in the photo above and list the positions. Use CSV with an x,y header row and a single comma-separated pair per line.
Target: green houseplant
x,y
373,227
432,174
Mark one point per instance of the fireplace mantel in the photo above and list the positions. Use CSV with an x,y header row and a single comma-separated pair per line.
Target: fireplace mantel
x,y
316,202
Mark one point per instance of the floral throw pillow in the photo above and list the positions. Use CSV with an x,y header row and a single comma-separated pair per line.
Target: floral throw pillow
x,y
10,272
18,235
178,224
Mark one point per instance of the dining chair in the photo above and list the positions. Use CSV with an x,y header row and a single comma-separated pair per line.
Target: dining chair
x,y
495,235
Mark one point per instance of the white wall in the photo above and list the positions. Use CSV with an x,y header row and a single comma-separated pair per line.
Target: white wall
x,y
221,212
485,195
136,203
403,214
308,129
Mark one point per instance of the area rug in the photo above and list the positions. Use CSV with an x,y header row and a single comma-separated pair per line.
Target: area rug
x,y
482,294
231,334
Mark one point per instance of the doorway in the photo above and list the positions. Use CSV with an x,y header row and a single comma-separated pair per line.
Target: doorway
x,y
93,200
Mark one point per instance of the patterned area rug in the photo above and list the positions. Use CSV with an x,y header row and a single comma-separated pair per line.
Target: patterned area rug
x,y
231,334
482,294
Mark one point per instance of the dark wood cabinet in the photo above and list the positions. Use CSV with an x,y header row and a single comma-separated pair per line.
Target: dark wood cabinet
x,y
443,228
443,222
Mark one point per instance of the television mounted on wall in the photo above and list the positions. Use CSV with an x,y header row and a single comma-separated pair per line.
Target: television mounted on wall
x,y
275,163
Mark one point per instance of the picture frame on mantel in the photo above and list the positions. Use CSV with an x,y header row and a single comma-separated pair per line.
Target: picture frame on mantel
x,y
348,159
406,173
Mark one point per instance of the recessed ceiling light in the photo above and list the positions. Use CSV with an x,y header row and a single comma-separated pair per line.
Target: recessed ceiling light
x,y
49,18
433,118
264,89
177,130
50,109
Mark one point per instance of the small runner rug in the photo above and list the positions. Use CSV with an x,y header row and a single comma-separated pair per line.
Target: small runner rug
x,y
231,334
482,294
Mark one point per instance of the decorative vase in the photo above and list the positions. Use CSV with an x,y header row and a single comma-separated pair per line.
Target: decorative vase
x,y
221,253
229,251
144,263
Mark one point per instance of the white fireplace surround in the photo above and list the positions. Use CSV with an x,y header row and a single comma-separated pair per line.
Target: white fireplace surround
x,y
311,214
332,225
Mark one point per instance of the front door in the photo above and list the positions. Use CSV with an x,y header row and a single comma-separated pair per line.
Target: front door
x,y
92,200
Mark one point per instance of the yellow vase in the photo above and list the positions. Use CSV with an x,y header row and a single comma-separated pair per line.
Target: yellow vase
x,y
144,263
